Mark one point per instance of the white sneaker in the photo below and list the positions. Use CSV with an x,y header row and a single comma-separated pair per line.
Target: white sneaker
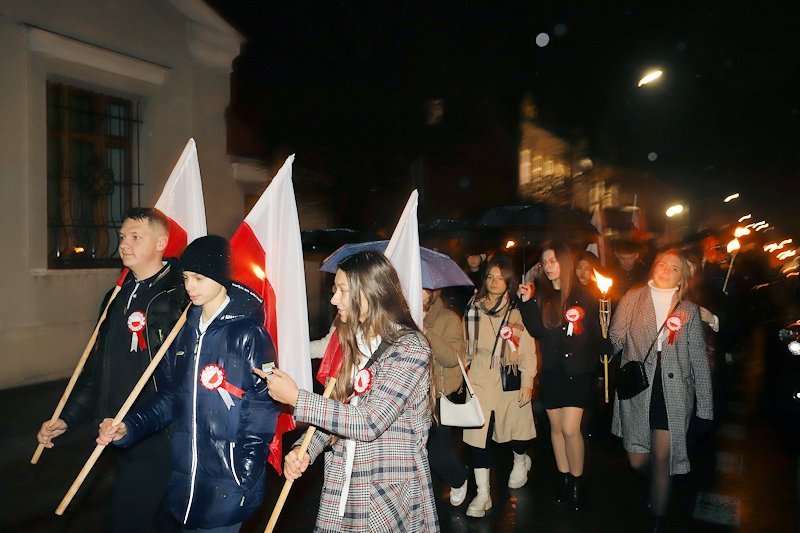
x,y
458,494
519,474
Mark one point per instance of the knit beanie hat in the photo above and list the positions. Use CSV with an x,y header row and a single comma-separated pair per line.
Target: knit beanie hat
x,y
209,256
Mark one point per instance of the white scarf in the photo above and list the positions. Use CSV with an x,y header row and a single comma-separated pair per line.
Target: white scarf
x,y
350,444
662,303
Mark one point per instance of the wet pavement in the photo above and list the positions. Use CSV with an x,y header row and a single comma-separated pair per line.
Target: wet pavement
x,y
744,478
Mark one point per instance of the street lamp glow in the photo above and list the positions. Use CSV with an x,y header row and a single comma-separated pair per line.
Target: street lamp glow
x,y
676,209
733,196
747,216
650,77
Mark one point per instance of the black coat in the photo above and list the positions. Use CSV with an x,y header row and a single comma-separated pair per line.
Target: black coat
x,y
569,355
218,452
98,389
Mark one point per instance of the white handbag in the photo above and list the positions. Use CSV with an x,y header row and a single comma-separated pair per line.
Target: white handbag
x,y
465,415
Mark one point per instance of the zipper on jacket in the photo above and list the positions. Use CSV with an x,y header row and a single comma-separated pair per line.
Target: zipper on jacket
x,y
233,467
197,348
149,342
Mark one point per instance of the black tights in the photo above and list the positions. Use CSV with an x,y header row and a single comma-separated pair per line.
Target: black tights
x,y
655,465
482,457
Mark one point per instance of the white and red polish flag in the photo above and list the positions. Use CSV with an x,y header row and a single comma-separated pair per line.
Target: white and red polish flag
x,y
599,248
182,202
403,252
267,256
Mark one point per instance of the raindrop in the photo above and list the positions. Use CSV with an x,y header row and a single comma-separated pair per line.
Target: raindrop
x,y
560,30
542,40
652,156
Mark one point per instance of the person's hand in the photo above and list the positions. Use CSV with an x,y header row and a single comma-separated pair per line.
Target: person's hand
x,y
294,465
109,432
49,431
525,291
280,385
706,315
524,396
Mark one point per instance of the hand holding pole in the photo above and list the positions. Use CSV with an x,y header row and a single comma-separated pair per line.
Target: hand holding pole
x,y
137,389
287,486
81,363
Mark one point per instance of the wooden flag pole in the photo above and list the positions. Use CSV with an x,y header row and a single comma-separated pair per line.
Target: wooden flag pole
x,y
287,486
148,372
81,362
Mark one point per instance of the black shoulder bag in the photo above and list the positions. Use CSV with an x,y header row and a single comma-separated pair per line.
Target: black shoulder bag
x,y
632,377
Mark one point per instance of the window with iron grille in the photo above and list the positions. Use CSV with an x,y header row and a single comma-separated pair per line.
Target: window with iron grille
x,y
92,175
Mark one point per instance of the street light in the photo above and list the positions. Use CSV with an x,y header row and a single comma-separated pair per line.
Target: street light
x,y
650,77
733,196
676,209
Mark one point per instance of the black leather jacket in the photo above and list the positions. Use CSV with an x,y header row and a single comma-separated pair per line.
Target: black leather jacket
x,y
91,396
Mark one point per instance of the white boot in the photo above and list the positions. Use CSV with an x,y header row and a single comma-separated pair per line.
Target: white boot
x,y
458,494
483,501
519,474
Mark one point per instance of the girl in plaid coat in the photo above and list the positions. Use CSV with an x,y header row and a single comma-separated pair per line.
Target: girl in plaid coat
x,y
374,429
654,423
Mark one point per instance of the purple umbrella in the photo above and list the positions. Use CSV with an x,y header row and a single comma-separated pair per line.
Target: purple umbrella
x,y
438,270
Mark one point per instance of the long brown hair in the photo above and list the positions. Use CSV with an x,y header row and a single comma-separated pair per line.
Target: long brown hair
x,y
503,262
553,303
371,274
683,284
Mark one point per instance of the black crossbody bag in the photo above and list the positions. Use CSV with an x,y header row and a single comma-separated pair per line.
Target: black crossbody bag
x,y
632,377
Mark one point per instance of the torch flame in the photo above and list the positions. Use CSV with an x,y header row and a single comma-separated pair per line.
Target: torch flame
x,y
787,254
741,232
603,283
734,245
259,272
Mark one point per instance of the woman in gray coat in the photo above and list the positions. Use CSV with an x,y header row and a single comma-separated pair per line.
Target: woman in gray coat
x,y
654,423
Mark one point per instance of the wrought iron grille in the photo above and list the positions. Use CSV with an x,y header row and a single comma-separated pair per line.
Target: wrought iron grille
x,y
92,174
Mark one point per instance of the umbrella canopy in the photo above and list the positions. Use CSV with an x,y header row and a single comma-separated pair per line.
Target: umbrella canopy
x,y
438,270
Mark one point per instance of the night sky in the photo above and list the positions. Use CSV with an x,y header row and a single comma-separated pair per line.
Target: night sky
x,y
345,83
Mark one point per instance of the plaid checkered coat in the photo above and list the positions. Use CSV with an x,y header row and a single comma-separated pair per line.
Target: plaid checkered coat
x,y
684,371
390,488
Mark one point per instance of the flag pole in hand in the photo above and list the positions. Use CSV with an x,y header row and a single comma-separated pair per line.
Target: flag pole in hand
x,y
137,389
81,362
287,486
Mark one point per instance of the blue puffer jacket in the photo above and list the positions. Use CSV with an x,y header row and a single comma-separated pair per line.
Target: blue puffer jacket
x,y
218,453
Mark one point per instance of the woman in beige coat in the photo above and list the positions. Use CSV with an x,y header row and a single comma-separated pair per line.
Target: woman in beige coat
x,y
497,340
443,329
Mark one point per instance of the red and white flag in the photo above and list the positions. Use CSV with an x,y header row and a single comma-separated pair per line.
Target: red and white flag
x,y
182,202
599,248
403,252
267,256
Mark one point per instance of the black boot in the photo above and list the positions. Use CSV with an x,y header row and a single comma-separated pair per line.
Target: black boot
x,y
576,495
562,498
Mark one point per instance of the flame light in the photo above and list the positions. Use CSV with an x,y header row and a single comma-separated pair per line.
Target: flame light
x,y
79,249
259,272
734,245
742,219
787,254
603,283
733,196
741,232
650,77
510,244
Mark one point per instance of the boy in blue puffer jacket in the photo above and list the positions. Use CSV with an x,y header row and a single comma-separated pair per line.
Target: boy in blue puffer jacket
x,y
223,419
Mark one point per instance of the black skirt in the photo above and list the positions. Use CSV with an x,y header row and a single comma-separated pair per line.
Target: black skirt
x,y
658,407
557,390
